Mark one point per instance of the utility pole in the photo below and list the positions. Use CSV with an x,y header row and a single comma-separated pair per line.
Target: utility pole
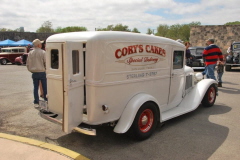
x,y
153,31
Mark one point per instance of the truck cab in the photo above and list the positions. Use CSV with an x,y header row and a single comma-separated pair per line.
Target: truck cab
x,y
232,59
129,81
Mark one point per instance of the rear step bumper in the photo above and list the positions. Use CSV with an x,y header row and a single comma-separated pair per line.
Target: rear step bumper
x,y
55,118
87,131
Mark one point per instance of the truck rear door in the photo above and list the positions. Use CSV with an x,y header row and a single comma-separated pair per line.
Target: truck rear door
x,y
54,66
73,85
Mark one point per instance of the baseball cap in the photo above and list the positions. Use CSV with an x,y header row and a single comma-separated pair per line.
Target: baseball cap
x,y
36,42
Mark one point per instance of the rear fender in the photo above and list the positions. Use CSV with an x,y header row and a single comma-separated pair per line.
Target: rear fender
x,y
131,110
5,58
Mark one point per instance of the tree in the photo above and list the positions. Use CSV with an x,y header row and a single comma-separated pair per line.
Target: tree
x,y
135,30
70,29
17,30
162,30
149,31
184,32
118,27
45,28
174,31
232,23
194,24
5,30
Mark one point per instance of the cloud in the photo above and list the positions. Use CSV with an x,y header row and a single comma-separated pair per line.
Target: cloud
x,y
140,14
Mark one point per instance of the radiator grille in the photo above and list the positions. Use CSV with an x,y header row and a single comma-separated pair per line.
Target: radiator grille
x,y
188,82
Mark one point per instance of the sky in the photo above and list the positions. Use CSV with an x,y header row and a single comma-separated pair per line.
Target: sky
x,y
140,14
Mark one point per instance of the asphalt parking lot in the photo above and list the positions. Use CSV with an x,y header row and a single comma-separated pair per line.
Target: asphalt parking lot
x,y
206,133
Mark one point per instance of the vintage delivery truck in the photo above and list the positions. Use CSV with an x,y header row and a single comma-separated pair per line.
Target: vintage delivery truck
x,y
129,81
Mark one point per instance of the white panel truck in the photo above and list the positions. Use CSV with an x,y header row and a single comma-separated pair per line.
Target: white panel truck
x,y
129,81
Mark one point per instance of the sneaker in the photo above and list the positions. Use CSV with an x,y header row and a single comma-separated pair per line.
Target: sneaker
x,y
47,112
36,105
219,84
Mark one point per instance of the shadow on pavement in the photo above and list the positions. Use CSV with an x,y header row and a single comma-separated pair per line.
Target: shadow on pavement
x,y
190,136
229,90
234,70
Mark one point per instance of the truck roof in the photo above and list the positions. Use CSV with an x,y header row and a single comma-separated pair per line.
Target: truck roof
x,y
110,36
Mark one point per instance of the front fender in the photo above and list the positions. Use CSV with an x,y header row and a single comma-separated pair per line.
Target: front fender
x,y
194,98
191,101
131,110
229,59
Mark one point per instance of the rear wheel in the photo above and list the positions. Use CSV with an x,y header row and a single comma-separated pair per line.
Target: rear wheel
x,y
145,121
210,96
227,68
3,61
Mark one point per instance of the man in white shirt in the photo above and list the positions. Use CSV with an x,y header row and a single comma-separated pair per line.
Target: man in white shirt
x,y
36,64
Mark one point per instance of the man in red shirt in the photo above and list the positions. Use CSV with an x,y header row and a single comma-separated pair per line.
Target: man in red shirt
x,y
211,54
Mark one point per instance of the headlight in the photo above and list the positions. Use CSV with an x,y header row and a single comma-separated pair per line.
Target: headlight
x,y
199,76
235,54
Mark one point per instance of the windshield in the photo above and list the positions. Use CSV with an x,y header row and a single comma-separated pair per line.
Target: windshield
x,y
193,51
236,46
197,51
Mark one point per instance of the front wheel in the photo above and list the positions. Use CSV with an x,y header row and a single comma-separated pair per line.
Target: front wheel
x,y
145,121
3,61
210,96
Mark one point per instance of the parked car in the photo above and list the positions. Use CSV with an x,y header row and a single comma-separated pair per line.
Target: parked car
x,y
125,80
197,61
232,60
9,54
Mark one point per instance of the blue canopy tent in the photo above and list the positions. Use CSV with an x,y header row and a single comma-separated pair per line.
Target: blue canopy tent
x,y
7,42
22,42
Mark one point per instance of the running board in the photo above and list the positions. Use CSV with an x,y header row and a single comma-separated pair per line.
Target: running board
x,y
87,131
177,111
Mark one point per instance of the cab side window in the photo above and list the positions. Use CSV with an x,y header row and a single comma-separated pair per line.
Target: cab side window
x,y
178,59
15,50
54,59
75,61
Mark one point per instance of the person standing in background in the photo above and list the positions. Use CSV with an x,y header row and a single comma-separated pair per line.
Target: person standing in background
x,y
36,64
40,84
211,54
220,71
188,56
